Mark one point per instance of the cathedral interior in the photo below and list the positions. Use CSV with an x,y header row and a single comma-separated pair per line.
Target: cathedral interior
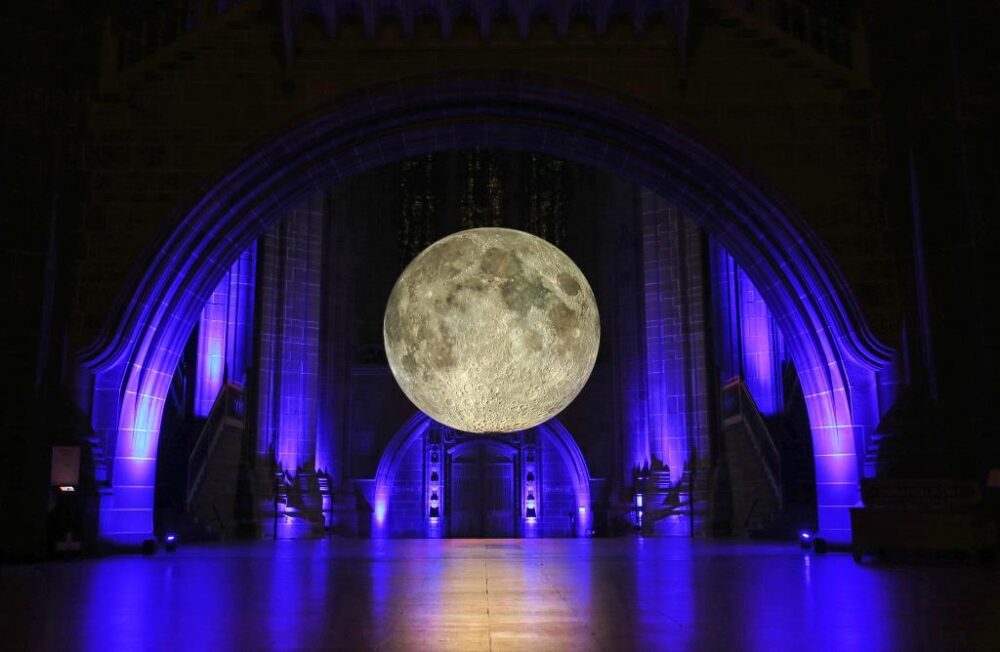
x,y
786,210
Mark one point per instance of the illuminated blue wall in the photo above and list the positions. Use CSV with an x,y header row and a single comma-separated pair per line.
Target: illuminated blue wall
x,y
676,363
623,285
131,366
763,349
337,341
748,341
557,489
224,333
289,351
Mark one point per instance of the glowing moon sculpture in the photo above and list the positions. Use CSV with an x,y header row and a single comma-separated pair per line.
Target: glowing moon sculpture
x,y
491,330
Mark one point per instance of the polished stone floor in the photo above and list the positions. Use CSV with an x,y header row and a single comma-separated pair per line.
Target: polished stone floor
x,y
620,594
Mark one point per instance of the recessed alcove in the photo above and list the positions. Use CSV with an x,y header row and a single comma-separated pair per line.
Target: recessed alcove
x,y
692,423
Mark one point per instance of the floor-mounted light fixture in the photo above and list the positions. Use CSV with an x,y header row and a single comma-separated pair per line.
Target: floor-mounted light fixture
x,y
806,539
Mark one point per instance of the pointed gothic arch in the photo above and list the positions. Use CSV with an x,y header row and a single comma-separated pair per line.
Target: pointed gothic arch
x,y
558,438
835,353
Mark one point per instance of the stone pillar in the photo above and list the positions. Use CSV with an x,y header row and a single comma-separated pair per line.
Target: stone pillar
x,y
288,302
623,322
748,341
209,370
336,340
725,315
676,362
763,348
239,329
224,332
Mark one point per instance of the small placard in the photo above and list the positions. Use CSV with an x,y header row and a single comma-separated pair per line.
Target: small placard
x,y
65,466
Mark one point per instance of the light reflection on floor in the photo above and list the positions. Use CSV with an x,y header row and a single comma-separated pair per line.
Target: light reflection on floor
x,y
648,594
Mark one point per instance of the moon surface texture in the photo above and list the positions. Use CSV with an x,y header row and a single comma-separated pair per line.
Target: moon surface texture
x,y
491,330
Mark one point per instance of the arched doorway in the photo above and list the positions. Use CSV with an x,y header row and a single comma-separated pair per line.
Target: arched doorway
x,y
483,493
434,481
835,353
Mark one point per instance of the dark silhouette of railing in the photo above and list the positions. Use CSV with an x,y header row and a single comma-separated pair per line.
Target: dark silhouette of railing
x,y
229,406
738,407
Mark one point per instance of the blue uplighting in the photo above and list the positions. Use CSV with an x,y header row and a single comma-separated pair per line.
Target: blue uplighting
x,y
224,333
838,360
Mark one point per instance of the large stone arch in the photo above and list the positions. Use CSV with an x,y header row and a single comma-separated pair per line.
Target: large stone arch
x,y
393,458
833,349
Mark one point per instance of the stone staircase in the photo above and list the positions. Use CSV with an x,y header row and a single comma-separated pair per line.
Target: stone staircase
x,y
769,464
214,468
753,463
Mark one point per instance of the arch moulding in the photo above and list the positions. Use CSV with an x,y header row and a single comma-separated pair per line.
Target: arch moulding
x,y
832,348
417,425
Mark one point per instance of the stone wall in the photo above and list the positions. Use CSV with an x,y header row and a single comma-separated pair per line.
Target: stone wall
x,y
159,129
288,360
43,109
193,110
678,379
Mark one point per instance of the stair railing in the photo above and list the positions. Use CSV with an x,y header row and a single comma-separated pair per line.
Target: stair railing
x,y
229,408
738,407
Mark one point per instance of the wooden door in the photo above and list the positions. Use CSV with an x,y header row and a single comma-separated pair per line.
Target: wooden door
x,y
482,496
465,500
498,498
